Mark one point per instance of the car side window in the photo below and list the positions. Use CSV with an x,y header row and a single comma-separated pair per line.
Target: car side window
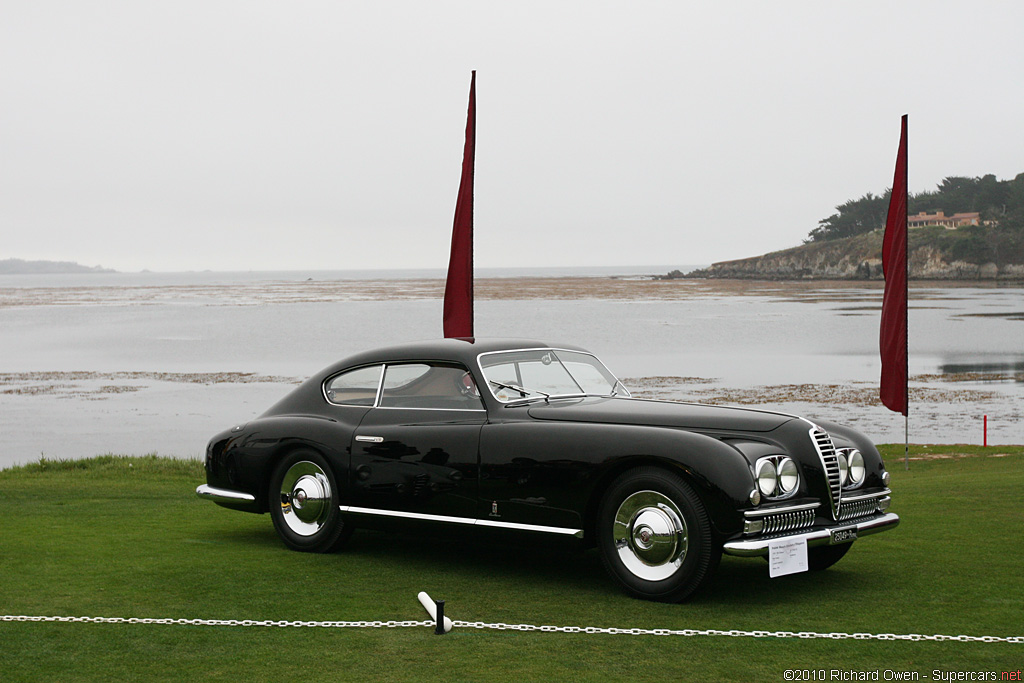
x,y
354,388
429,385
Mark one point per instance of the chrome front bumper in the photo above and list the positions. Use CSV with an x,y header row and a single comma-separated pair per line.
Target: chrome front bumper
x,y
759,546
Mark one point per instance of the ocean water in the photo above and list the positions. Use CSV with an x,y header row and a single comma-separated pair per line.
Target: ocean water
x,y
140,363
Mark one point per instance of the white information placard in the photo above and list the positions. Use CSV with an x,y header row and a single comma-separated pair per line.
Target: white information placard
x,y
787,556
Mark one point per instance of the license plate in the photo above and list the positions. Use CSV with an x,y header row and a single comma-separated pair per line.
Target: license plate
x,y
846,535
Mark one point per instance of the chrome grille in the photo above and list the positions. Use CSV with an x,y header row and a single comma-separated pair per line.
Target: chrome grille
x,y
859,508
830,461
788,521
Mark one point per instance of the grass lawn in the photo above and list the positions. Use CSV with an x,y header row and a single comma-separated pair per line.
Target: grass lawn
x,y
127,537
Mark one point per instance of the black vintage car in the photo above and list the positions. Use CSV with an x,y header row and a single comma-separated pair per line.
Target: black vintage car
x,y
539,439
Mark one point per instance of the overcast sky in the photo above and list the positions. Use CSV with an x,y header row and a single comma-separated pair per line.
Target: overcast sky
x,y
260,135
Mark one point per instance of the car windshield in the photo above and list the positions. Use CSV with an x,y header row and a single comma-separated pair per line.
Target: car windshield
x,y
543,373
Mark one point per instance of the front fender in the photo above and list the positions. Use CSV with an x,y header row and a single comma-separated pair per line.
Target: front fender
x,y
718,472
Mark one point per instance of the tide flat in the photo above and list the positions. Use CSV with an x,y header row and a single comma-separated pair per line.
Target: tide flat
x,y
140,364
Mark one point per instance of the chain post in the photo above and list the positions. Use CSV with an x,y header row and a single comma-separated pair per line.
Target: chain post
x,y
439,625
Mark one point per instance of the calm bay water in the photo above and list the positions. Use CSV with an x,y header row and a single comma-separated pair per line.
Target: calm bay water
x,y
137,363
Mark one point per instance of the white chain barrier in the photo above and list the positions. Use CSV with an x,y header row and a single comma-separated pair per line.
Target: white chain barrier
x,y
734,633
223,622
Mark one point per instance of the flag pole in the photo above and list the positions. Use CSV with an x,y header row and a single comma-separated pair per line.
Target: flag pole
x,y
906,294
906,442
894,347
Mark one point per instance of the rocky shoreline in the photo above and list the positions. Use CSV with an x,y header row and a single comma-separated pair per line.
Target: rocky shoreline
x,y
852,259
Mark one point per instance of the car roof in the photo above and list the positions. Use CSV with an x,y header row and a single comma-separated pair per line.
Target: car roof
x,y
461,350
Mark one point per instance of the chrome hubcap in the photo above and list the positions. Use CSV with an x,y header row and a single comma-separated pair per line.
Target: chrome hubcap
x,y
650,535
305,498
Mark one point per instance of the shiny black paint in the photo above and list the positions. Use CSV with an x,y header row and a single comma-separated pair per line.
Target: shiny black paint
x,y
548,472
427,463
542,464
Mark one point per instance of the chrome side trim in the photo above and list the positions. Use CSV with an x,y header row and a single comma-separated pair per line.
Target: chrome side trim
x,y
223,495
578,533
407,515
759,546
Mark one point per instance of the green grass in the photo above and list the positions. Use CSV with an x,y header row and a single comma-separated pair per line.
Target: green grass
x,y
126,537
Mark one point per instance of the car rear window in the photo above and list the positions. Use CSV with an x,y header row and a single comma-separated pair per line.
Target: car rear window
x,y
354,387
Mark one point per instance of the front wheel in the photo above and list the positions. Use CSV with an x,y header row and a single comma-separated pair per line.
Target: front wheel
x,y
654,536
304,503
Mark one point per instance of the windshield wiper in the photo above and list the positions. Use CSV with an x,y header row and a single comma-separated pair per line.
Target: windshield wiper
x,y
522,390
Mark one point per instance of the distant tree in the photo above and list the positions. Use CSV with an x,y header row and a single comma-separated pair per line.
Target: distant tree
x,y
998,201
855,217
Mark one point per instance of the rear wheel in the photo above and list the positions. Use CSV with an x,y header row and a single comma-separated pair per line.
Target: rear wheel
x,y
824,556
304,503
654,536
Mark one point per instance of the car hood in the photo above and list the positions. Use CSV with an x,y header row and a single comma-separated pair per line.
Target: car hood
x,y
658,414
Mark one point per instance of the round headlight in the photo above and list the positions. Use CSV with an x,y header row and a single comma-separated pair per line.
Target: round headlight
x,y
857,469
789,477
766,477
844,468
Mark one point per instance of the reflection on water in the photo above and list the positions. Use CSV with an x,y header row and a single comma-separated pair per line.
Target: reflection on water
x,y
119,351
1014,315
988,371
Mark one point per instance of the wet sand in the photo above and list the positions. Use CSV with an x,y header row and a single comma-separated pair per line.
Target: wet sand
x,y
866,293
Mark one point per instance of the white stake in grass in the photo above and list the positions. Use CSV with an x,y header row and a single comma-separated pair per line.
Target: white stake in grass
x,y
431,608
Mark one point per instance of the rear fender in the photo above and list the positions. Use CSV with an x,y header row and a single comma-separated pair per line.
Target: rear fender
x,y
263,442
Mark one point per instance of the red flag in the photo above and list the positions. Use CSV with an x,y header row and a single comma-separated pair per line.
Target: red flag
x,y
458,290
893,337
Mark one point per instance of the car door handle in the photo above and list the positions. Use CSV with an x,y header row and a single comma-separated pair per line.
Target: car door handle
x,y
370,439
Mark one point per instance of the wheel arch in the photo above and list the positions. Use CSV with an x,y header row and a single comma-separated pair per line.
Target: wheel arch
x,y
613,472
285,449
717,473
264,442
655,535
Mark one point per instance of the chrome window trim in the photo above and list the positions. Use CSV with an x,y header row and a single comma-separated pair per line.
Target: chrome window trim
x,y
618,382
443,410
380,387
376,398
470,521
753,514
428,363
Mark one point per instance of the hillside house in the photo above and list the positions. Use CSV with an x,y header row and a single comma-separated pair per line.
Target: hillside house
x,y
940,218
